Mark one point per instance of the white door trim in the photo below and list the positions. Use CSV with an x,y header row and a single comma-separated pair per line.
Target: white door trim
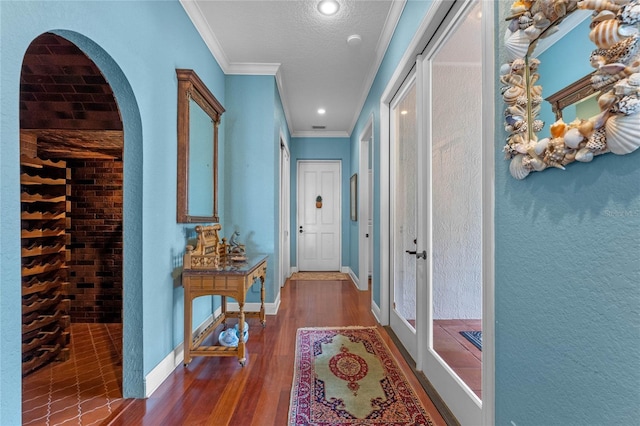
x,y
427,29
385,210
423,204
366,137
488,213
284,231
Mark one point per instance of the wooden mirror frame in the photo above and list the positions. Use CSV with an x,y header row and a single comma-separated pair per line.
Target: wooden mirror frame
x,y
191,87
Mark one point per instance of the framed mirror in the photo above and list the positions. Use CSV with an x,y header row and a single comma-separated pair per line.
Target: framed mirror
x,y
199,115
594,114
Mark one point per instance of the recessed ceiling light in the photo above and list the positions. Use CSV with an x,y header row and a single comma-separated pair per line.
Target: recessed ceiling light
x,y
322,111
328,7
404,112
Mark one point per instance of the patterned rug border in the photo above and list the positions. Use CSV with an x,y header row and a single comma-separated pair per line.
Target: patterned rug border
x,y
377,330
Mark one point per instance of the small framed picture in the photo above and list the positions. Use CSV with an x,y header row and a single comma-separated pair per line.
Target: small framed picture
x,y
354,197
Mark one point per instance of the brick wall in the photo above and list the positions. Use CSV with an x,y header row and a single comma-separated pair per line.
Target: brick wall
x,y
96,240
61,88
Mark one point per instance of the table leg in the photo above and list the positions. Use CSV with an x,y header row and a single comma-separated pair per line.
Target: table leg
x,y
242,358
188,338
263,318
223,309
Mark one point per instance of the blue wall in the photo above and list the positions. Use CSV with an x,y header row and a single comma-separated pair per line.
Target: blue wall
x,y
321,149
129,41
412,15
567,288
254,120
567,294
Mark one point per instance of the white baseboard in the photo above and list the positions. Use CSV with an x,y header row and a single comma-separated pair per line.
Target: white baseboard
x,y
159,374
154,379
353,276
269,308
375,310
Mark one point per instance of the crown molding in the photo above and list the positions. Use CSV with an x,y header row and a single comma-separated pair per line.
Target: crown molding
x,y
248,68
206,33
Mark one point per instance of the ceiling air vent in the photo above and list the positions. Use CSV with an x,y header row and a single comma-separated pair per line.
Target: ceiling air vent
x,y
318,127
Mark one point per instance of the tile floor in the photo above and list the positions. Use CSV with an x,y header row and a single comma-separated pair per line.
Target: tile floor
x,y
459,353
84,390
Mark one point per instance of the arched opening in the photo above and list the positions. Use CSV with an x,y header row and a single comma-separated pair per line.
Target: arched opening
x,y
73,230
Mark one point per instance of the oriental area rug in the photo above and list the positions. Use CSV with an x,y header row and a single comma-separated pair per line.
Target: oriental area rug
x,y
347,376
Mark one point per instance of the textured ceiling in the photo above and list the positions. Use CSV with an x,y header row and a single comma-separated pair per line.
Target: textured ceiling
x,y
308,53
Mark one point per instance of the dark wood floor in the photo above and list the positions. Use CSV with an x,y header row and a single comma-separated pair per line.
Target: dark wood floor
x,y
218,391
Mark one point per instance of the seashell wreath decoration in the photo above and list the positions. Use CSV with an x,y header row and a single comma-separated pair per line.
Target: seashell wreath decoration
x,y
528,20
615,30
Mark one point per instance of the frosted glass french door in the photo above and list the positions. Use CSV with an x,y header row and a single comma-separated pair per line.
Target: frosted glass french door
x,y
404,215
450,75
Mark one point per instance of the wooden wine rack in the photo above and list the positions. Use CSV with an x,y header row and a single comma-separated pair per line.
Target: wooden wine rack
x,y
45,304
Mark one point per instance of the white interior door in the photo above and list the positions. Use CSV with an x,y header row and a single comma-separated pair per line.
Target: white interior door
x,y
319,225
285,219
370,222
365,220
406,216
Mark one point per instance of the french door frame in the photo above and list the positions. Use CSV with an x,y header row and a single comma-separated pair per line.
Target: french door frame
x,y
285,213
438,20
365,191
408,334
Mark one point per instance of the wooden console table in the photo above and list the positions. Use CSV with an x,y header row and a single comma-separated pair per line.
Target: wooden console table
x,y
228,280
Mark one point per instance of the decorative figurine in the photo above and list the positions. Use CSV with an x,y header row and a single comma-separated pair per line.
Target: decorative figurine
x,y
236,250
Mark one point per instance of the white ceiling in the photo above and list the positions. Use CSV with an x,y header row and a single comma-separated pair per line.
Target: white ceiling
x,y
308,53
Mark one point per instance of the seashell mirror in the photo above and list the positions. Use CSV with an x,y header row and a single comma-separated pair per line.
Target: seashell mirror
x,y
615,127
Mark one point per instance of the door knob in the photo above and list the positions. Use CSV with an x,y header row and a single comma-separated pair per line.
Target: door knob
x,y
423,254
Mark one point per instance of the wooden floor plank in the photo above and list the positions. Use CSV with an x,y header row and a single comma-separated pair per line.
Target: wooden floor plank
x,y
218,391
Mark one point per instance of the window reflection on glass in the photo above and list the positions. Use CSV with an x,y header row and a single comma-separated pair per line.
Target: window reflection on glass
x,y
200,161
405,205
457,198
